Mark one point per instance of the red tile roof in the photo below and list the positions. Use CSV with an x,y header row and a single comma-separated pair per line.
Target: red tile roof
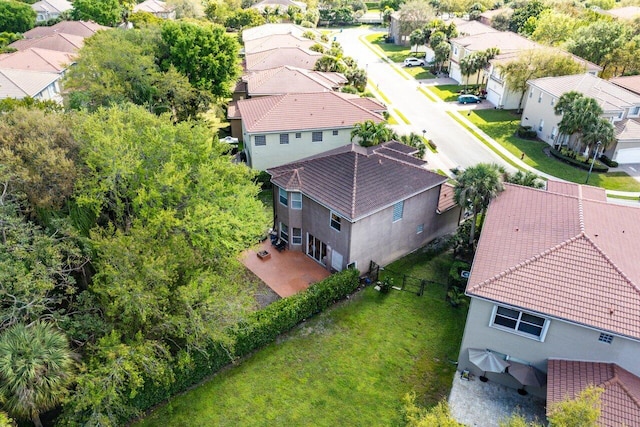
x,y
302,111
620,401
562,255
286,79
76,28
276,41
35,59
57,41
279,57
357,181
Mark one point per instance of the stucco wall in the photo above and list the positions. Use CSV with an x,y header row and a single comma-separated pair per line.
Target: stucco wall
x,y
563,340
534,111
275,154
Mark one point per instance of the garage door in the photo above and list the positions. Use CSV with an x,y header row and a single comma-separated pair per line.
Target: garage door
x,y
628,155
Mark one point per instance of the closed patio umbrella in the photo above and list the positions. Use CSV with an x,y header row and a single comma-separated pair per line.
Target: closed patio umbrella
x,y
488,361
527,375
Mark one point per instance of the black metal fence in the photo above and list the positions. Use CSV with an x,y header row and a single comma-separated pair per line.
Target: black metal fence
x,y
409,283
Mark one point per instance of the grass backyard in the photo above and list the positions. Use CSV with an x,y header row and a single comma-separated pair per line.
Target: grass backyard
x,y
501,126
449,93
348,366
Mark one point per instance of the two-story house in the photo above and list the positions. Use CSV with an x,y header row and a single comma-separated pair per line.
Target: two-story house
x,y
555,277
39,85
282,129
50,9
620,106
272,29
157,8
353,205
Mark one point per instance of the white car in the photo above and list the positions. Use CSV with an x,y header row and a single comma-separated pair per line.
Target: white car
x,y
413,62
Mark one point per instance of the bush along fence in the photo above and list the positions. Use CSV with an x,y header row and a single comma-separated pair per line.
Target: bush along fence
x,y
261,328
597,167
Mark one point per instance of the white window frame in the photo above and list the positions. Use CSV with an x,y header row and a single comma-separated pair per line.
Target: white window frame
x,y
284,232
260,140
634,111
519,321
540,97
298,135
530,93
398,211
335,132
605,338
315,135
284,138
283,195
541,125
295,238
335,218
296,200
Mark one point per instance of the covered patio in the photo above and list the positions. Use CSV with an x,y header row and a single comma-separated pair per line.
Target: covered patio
x,y
287,272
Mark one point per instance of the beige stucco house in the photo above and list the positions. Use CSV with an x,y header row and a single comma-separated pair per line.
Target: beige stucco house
x,y
273,29
556,278
620,106
40,85
353,205
50,9
157,8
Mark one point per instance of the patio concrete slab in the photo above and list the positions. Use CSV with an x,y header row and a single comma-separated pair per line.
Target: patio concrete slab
x,y
287,272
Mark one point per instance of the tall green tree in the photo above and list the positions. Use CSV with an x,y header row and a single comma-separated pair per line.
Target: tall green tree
x,y
105,12
416,38
370,133
582,411
205,53
580,114
522,14
475,188
554,27
524,178
602,132
16,17
597,40
36,369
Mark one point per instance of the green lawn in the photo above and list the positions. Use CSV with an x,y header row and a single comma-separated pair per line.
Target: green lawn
x,y
419,73
449,93
501,125
394,52
349,366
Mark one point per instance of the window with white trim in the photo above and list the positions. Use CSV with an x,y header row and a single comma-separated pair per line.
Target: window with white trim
x,y
284,232
284,138
635,111
420,229
553,102
283,196
455,50
554,132
260,140
296,200
541,125
605,338
398,210
336,222
520,322
540,97
298,135
530,93
335,133
316,136
296,236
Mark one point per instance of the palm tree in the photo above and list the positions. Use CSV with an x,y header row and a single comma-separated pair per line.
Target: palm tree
x,y
35,369
416,141
579,114
526,179
476,187
600,131
468,66
371,133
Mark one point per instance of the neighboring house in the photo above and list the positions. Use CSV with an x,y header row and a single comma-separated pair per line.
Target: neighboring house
x,y
486,17
555,276
278,57
276,41
631,83
353,205
281,80
397,26
157,8
20,84
57,41
285,128
34,59
50,9
272,29
282,5
75,28
620,106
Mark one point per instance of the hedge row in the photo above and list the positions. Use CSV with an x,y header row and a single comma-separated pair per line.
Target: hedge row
x,y
260,328
578,163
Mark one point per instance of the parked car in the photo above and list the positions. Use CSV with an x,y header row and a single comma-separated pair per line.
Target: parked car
x,y
469,99
413,62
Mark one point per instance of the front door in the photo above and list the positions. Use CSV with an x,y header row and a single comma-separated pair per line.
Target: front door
x,y
316,249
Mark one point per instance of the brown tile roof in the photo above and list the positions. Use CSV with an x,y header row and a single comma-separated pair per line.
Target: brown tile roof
x,y
631,83
447,198
356,181
37,60
75,28
275,41
506,41
627,129
58,41
620,401
279,57
302,111
472,28
609,96
562,255
286,79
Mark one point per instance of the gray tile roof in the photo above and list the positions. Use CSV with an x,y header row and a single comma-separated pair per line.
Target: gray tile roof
x,y
356,181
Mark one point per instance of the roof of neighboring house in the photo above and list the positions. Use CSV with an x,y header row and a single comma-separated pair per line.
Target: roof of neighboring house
x,y
490,14
153,6
627,129
278,57
277,81
37,60
57,6
564,252
370,104
302,111
506,41
58,41
631,83
472,28
610,96
270,29
356,181
626,13
277,40
275,3
75,28
447,198
19,84
620,401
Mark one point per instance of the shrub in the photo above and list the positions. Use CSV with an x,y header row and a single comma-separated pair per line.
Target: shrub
x,y
526,132
264,179
597,167
607,161
432,144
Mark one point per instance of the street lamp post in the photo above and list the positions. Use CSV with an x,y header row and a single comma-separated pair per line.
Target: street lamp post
x,y
598,144
424,131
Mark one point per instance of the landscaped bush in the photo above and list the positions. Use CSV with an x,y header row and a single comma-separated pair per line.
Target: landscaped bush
x,y
526,132
261,328
607,161
597,167
264,179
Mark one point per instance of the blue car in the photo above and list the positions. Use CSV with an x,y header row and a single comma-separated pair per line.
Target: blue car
x,y
469,99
